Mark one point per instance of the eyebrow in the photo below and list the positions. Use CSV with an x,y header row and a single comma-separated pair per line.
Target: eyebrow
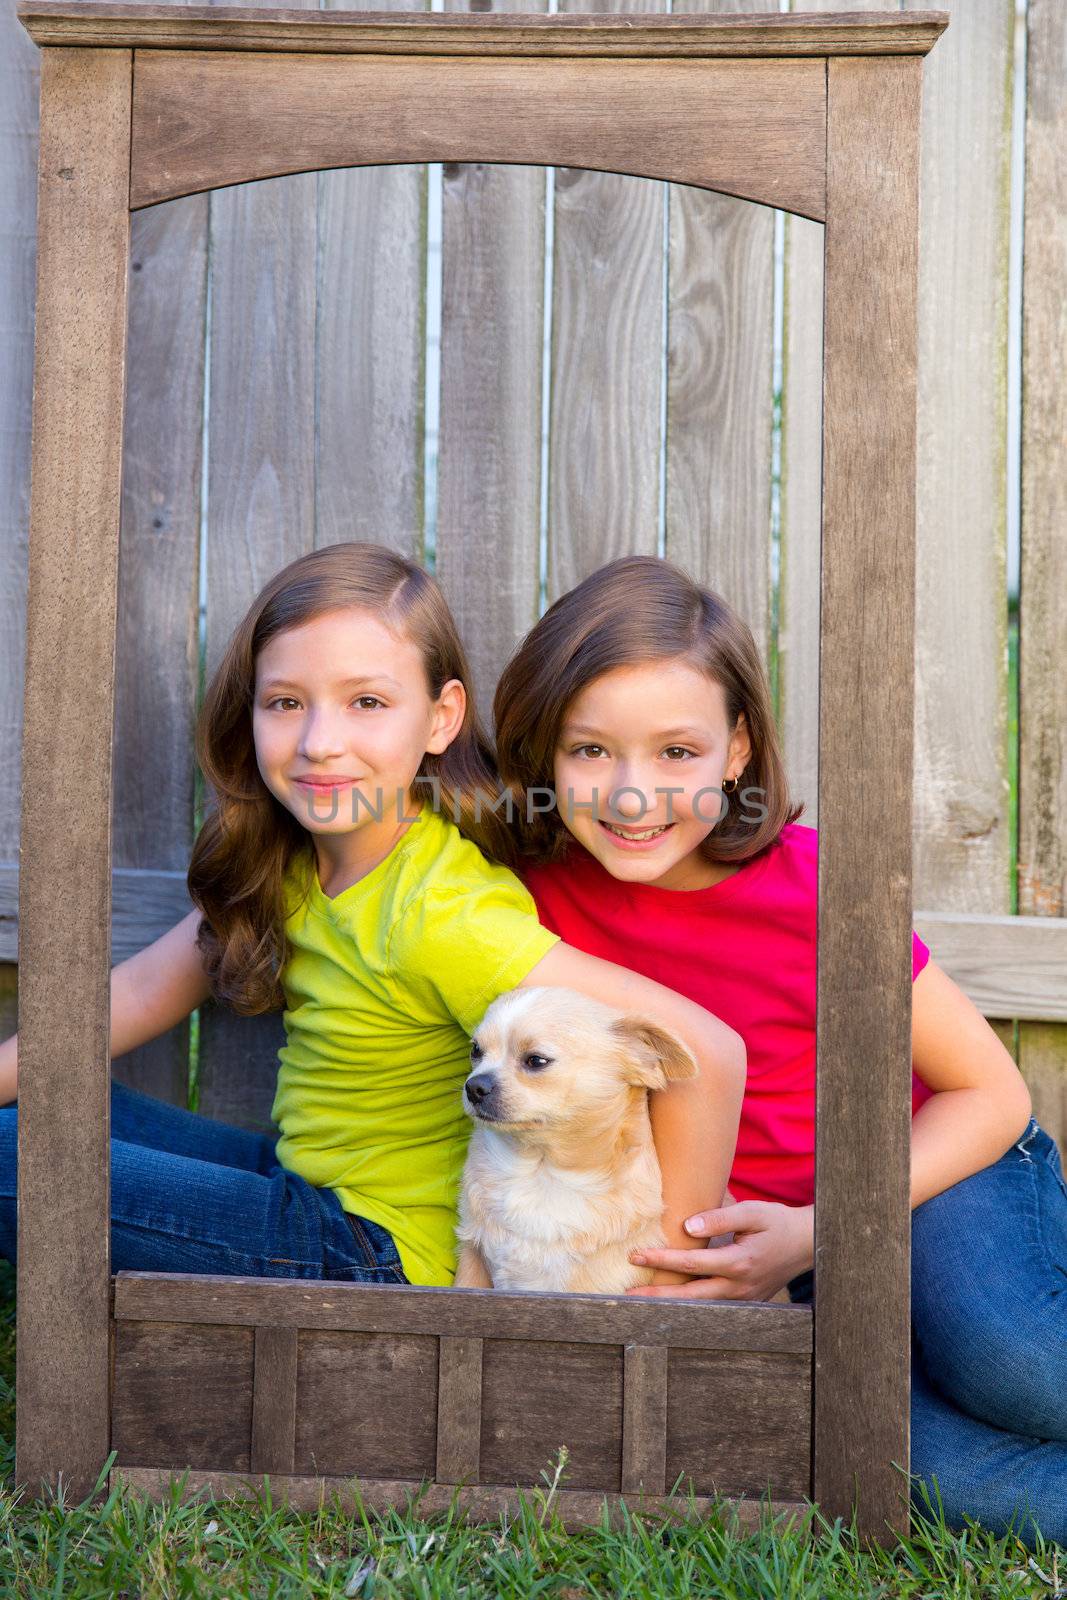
x,y
572,728
349,683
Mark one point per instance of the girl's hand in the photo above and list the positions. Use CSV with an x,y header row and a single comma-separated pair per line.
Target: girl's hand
x,y
771,1244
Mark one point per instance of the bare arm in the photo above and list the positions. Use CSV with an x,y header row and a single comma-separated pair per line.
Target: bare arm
x,y
150,992
982,1104
694,1120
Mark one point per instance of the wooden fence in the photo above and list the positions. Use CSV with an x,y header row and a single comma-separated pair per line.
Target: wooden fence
x,y
278,400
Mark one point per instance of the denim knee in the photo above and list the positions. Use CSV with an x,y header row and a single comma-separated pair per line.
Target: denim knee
x,y
989,1292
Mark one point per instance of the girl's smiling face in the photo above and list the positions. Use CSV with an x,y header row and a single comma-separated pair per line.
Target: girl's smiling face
x,y
341,720
641,757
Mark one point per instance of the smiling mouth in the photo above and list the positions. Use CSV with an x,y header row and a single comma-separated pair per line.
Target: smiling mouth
x,y
324,783
637,834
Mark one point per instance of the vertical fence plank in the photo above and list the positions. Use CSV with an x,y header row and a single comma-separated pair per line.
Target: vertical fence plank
x,y
607,364
156,655
261,501
1043,622
801,491
62,1376
961,783
489,473
720,397
19,59
862,1232
801,508
369,350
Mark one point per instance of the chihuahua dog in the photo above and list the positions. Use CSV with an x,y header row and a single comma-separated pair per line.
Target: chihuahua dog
x,y
561,1180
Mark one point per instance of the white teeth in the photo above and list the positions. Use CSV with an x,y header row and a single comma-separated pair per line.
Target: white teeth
x,y
649,833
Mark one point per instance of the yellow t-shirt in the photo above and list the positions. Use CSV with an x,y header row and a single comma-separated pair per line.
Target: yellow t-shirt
x,y
384,984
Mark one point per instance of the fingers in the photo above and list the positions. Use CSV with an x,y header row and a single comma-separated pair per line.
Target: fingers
x,y
694,1263
698,1289
724,1219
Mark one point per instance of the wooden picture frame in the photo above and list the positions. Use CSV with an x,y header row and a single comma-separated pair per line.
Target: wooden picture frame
x,y
234,1378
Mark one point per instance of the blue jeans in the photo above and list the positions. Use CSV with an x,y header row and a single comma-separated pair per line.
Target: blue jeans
x,y
192,1195
989,1344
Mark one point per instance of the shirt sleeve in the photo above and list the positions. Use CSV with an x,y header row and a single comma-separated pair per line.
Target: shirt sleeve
x,y
920,955
470,945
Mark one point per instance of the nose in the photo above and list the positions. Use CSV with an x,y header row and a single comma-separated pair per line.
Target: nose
x,y
630,799
320,739
480,1087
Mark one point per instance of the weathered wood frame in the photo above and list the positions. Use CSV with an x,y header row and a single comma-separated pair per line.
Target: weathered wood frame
x,y
817,114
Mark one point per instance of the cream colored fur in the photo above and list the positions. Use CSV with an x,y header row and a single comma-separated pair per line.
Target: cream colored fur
x,y
561,1180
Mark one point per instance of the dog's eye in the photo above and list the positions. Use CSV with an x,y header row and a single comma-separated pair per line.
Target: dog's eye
x,y
536,1063
476,1050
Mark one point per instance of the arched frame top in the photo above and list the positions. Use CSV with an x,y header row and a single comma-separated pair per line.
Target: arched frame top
x,y
752,128
735,104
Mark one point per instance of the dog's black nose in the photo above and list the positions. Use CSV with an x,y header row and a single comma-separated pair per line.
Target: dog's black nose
x,y
479,1088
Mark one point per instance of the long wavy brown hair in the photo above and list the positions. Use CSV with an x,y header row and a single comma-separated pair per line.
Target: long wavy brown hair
x,y
635,610
248,839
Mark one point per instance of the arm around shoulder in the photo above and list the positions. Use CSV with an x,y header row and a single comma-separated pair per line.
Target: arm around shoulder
x,y
150,992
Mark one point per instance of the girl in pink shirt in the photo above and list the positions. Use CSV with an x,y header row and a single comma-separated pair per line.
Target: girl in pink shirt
x,y
639,705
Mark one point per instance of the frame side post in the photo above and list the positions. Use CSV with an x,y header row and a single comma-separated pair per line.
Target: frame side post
x,y
62,1367
863,1109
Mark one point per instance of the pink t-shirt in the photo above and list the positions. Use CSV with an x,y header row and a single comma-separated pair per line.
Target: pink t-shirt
x,y
744,949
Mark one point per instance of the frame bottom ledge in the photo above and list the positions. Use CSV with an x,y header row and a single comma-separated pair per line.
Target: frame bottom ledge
x,y
576,1507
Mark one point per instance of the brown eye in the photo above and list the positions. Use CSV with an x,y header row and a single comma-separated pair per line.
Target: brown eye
x,y
476,1050
534,1063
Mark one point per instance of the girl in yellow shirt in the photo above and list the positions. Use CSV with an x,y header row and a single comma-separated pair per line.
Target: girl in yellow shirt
x,y
353,871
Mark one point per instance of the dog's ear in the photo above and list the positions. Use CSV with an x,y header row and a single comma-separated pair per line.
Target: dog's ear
x,y
656,1055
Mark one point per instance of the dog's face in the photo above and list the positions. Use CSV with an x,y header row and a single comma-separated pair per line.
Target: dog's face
x,y
547,1059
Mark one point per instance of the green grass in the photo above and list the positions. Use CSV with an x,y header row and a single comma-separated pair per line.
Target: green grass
x,y
128,1546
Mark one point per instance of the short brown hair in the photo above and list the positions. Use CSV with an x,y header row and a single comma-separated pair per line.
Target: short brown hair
x,y
636,609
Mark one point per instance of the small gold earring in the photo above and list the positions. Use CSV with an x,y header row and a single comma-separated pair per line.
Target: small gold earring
x,y
729,785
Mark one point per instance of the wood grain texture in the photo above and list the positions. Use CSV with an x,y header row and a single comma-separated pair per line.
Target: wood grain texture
x,y
644,1419
801,496
461,1313
203,119
18,202
1008,966
459,1410
539,1399
863,1112
739,1424
961,782
1043,579
237,28
484,1503
607,365
261,502
801,511
156,652
144,905
369,380
63,1203
182,1395
367,1404
274,1401
489,461
720,397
